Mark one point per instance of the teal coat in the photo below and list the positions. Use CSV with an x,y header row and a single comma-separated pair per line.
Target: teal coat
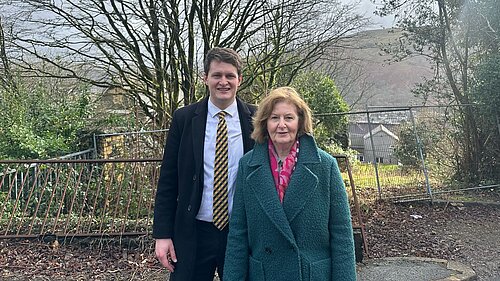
x,y
309,237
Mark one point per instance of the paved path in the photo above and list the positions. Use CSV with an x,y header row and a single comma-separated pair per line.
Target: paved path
x,y
414,269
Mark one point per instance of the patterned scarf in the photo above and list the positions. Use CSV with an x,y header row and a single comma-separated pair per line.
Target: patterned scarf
x,y
282,171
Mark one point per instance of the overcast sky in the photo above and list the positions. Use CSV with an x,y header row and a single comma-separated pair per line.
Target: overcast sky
x,y
367,7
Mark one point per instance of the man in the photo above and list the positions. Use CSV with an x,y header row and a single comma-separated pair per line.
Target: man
x,y
190,239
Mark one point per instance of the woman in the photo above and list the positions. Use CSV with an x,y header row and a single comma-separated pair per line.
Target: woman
x,y
291,218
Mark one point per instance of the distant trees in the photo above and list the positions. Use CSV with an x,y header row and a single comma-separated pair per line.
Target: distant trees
x,y
6,78
152,49
486,93
43,117
322,95
455,35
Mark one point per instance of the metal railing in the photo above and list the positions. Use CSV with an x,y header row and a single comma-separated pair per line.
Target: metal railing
x,y
70,198
409,153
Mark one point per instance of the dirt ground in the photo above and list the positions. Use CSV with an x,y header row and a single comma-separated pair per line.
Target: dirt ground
x,y
469,233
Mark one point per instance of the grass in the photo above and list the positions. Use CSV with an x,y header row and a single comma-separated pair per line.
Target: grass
x,y
389,176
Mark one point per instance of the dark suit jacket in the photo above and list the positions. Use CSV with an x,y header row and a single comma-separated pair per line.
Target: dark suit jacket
x,y
180,185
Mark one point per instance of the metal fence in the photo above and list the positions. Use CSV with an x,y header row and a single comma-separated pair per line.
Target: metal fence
x,y
406,153
402,153
130,145
72,198
76,195
80,198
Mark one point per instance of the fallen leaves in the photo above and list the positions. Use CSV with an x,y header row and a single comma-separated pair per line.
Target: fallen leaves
x,y
469,234
56,261
451,231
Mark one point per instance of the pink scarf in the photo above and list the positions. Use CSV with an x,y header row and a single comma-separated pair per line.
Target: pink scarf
x,y
282,174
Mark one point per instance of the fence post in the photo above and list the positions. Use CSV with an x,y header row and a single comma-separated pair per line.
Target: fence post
x,y
498,121
373,155
95,145
421,153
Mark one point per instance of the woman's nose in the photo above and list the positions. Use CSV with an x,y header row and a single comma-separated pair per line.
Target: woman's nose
x,y
281,122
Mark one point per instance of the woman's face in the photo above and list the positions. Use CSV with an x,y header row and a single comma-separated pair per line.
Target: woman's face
x,y
283,124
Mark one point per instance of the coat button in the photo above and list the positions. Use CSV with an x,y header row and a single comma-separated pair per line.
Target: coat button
x,y
268,250
189,208
194,178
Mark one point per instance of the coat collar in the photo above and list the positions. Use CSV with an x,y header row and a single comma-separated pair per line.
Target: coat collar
x,y
246,124
302,185
199,123
308,152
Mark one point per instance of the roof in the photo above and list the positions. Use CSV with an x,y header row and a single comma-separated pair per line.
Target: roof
x,y
381,128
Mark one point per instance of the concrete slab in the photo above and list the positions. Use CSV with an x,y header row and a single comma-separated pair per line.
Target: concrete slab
x,y
414,269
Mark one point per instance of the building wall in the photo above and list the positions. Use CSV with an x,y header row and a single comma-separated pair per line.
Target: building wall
x,y
384,149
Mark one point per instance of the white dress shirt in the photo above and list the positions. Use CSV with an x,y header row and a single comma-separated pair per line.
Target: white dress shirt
x,y
235,147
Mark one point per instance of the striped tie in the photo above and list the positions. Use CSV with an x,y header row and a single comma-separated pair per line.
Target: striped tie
x,y
220,201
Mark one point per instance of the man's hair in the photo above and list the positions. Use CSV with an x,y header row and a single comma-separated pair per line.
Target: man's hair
x,y
226,55
266,106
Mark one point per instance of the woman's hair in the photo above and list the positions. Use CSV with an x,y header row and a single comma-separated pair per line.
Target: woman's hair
x,y
266,106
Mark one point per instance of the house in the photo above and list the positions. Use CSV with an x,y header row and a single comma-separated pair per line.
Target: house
x,y
384,141
383,146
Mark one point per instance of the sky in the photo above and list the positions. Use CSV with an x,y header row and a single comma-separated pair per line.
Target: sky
x,y
366,8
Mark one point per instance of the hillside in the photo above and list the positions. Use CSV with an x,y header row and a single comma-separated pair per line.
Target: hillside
x,y
388,83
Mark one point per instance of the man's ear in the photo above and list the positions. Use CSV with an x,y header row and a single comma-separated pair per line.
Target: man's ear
x,y
205,78
240,79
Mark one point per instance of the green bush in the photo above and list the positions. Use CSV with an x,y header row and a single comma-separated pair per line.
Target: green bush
x,y
38,120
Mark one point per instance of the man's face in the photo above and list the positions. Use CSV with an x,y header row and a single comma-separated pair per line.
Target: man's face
x,y
223,81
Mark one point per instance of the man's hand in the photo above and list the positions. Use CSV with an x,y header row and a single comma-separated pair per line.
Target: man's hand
x,y
165,252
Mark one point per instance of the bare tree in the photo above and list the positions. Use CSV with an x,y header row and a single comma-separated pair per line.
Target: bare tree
x,y
151,49
350,77
454,35
6,78
299,35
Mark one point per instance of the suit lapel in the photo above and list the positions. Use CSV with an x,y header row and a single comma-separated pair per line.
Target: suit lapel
x,y
246,124
198,125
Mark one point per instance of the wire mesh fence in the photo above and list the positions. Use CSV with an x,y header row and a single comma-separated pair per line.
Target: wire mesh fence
x,y
130,145
409,153
402,153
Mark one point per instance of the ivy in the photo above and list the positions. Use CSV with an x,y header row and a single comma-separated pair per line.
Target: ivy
x,y
38,120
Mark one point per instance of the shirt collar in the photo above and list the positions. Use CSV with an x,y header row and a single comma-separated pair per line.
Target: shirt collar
x,y
232,109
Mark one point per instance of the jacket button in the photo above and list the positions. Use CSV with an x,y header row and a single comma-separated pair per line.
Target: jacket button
x,y
268,250
189,208
194,178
